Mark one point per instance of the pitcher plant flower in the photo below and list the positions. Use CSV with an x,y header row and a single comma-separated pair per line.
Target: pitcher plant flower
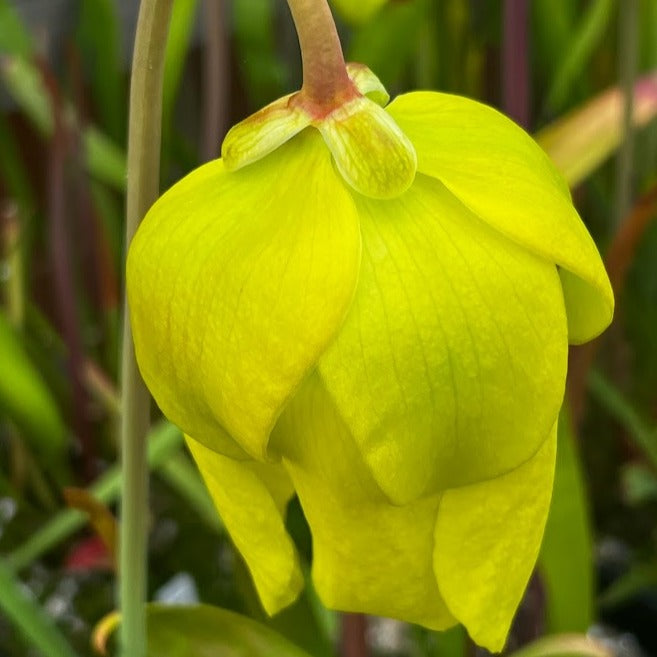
x,y
369,305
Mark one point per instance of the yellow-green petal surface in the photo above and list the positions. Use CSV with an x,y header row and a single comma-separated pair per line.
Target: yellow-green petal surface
x,y
368,555
504,177
262,132
487,540
237,282
371,152
251,498
451,364
368,83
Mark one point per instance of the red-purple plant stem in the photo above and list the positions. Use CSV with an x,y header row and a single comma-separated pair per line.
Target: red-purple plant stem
x,y
215,74
628,53
353,636
515,61
86,223
58,239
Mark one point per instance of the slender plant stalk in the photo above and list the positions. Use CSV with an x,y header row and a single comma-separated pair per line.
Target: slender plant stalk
x,y
215,76
11,236
325,76
353,636
629,23
144,136
515,61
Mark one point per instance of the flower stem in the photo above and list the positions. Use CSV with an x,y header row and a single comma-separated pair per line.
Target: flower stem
x,y
10,243
144,133
353,639
515,61
325,78
629,25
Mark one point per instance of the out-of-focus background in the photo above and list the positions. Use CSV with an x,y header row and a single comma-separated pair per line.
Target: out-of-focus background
x,y
579,74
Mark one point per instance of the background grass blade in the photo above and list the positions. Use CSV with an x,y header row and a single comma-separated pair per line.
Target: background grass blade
x,y
164,440
583,139
566,560
29,617
588,36
27,402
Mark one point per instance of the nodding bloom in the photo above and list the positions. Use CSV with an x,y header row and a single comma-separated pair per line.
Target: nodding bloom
x,y
370,307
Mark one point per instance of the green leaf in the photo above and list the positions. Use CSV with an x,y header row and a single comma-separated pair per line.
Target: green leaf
x,y
14,37
26,400
614,402
163,440
205,631
588,36
638,483
300,624
553,24
563,645
358,12
186,480
640,577
104,159
394,29
30,618
26,86
565,562
178,42
265,75
100,44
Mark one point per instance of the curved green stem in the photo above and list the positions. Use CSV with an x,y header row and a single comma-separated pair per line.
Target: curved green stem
x,y
143,187
325,76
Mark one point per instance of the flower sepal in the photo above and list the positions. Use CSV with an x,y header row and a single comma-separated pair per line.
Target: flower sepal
x,y
369,150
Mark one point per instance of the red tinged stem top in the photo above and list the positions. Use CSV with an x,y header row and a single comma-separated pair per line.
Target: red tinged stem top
x,y
325,80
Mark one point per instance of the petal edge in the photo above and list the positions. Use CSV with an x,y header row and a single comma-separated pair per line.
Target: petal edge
x,y
500,173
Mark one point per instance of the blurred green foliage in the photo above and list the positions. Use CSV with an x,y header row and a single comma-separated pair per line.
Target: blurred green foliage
x,y
67,104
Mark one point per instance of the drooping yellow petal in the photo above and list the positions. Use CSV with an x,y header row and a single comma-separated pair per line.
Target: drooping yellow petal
x,y
368,555
237,282
251,498
487,540
451,364
500,173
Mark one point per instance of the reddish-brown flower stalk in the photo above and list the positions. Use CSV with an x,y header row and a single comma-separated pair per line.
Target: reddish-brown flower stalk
x,y
326,84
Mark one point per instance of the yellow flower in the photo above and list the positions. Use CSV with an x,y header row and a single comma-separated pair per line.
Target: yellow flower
x,y
389,344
